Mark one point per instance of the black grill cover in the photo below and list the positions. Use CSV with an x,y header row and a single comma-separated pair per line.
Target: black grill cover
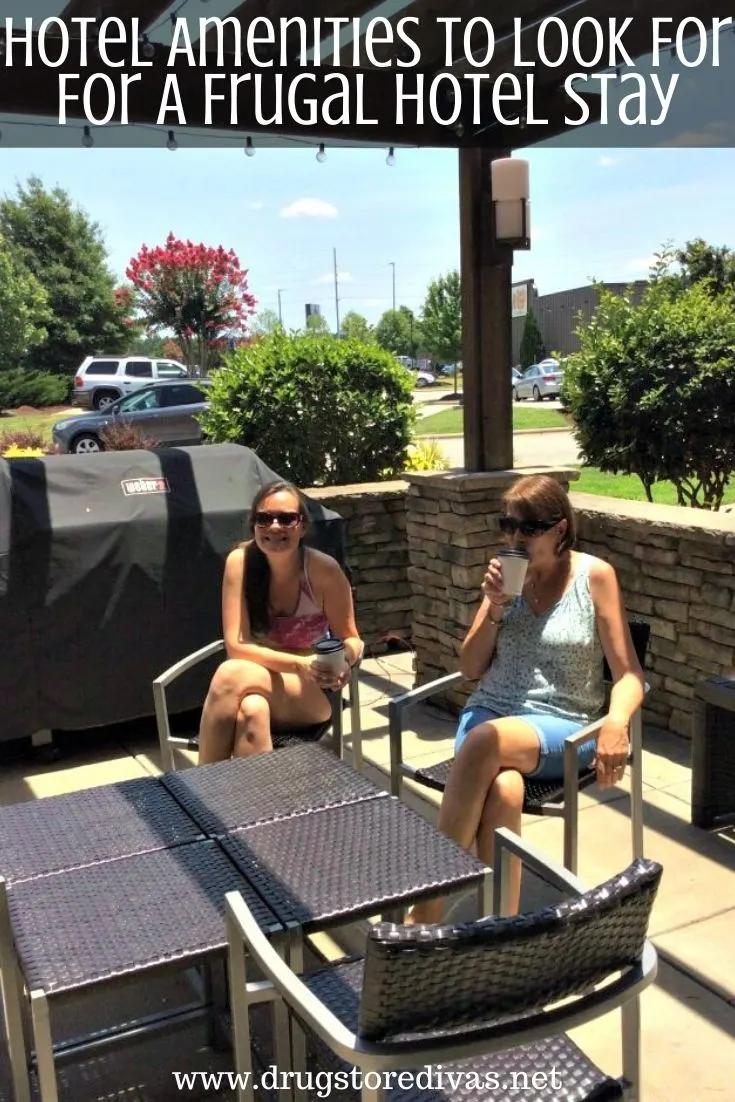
x,y
111,570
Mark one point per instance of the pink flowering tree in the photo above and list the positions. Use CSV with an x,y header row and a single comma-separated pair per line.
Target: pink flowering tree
x,y
199,293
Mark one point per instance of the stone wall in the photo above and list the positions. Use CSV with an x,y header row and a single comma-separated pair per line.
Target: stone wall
x,y
418,549
677,570
377,554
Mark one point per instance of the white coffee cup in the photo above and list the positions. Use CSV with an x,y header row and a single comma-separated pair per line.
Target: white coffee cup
x,y
514,564
330,654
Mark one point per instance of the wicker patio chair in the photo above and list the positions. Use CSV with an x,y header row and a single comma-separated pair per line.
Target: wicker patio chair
x,y
489,998
315,732
554,798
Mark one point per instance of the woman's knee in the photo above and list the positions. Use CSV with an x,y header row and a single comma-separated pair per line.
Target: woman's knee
x,y
235,676
481,744
252,727
508,789
253,707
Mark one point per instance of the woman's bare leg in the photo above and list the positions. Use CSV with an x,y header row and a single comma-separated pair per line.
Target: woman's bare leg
x,y
508,743
253,726
290,702
233,680
503,808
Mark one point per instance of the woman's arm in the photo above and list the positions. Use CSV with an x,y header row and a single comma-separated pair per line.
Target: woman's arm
x,y
236,623
331,586
629,684
478,647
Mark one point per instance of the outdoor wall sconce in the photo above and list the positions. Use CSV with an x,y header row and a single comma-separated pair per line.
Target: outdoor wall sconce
x,y
511,215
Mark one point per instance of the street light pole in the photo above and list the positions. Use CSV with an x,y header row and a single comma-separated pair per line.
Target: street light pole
x,y
280,311
392,264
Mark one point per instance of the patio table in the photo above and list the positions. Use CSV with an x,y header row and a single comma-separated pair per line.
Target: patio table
x,y
96,824
101,924
246,791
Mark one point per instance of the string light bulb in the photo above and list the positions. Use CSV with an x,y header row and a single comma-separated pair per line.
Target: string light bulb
x,y
87,139
390,160
249,149
172,144
321,155
148,50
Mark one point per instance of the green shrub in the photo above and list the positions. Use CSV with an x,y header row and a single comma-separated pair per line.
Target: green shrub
x,y
652,389
316,409
426,455
23,387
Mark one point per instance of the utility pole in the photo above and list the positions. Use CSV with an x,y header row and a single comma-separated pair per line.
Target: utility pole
x,y
392,264
336,287
280,311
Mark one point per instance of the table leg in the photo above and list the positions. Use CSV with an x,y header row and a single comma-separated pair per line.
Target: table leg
x,y
297,1060
44,1047
11,988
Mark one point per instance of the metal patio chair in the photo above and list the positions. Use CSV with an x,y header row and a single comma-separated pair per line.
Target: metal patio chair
x,y
313,733
553,798
489,998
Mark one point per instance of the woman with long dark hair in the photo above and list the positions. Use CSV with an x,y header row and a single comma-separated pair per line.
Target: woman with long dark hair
x,y
278,598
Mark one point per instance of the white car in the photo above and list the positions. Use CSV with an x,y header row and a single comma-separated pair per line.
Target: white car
x,y
425,378
102,380
539,381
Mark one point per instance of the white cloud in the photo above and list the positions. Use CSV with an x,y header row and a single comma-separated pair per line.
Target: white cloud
x,y
309,208
328,277
607,162
642,264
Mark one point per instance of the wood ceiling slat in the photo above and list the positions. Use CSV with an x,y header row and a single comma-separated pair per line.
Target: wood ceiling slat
x,y
147,11
273,10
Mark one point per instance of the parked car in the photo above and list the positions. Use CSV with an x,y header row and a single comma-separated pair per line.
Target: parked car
x,y
541,380
101,380
425,378
164,412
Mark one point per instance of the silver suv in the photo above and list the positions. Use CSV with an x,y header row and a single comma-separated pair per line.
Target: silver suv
x,y
101,380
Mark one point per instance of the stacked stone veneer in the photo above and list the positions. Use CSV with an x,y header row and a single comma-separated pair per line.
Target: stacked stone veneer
x,y
418,551
677,570
377,555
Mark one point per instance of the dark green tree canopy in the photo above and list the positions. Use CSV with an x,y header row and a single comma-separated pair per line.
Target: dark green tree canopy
x,y
442,319
532,343
58,244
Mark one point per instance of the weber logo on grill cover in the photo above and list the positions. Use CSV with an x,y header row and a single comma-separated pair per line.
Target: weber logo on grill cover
x,y
133,487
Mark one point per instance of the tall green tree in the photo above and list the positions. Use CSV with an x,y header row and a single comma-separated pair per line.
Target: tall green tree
x,y
442,318
316,323
58,244
532,343
23,311
356,328
264,322
399,331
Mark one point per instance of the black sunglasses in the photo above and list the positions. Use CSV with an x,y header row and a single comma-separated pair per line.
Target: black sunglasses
x,y
284,520
510,525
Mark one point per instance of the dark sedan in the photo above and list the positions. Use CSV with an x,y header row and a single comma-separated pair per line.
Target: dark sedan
x,y
164,412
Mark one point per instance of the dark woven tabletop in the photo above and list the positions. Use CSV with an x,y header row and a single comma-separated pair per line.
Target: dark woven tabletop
x,y
345,862
96,824
576,1078
264,787
111,919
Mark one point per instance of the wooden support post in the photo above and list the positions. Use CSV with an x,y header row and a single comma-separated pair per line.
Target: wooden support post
x,y
486,321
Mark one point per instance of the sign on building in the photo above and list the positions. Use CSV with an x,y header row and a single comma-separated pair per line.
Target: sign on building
x,y
519,300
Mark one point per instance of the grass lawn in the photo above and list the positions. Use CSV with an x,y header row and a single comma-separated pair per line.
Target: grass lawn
x,y
12,421
630,487
451,420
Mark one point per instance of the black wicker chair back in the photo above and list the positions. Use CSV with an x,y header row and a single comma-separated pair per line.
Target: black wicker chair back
x,y
424,978
640,631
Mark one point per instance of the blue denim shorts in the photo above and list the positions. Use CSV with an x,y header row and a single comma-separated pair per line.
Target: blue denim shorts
x,y
551,731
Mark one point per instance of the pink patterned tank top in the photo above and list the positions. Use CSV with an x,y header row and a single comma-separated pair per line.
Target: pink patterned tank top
x,y
302,628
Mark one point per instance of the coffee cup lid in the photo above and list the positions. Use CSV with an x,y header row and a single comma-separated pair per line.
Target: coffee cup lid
x,y
328,646
514,552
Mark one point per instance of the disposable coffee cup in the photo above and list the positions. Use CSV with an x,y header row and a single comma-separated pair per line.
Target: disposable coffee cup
x,y
330,653
514,564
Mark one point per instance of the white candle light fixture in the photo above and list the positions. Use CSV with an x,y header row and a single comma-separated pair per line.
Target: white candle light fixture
x,y
510,202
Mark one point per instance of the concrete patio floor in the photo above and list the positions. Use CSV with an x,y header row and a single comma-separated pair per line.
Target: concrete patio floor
x,y
688,1016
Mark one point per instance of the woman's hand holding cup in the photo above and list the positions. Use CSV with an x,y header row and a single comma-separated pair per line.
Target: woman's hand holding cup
x,y
492,584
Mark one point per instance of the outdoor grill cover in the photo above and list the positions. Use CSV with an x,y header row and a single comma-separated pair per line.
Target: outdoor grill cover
x,y
111,571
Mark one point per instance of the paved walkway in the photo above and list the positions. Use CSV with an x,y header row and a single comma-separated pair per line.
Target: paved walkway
x,y
689,1016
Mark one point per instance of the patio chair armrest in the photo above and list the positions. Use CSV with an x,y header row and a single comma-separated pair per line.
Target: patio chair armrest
x,y
414,696
507,845
187,663
242,928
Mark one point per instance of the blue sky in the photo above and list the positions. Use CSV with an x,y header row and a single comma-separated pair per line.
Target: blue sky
x,y
595,213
